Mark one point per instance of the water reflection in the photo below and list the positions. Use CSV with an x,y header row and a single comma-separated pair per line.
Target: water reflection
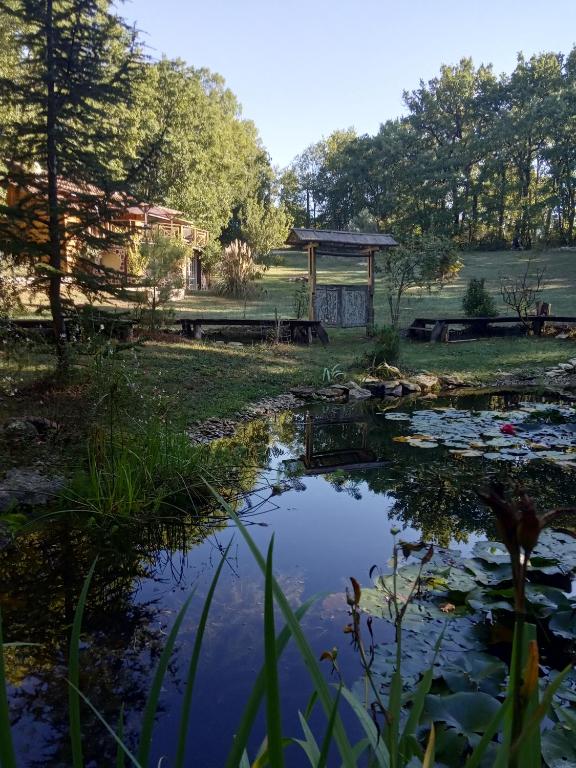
x,y
332,517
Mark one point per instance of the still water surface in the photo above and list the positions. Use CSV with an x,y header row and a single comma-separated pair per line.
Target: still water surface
x,y
327,528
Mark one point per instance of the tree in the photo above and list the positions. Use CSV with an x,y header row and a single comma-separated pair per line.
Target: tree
x,y
71,92
423,263
265,227
477,302
160,262
199,155
522,293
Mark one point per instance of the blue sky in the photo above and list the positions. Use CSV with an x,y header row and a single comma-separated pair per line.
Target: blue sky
x,y
303,68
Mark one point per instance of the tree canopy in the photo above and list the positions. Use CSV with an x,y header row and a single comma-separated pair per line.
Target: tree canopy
x,y
479,158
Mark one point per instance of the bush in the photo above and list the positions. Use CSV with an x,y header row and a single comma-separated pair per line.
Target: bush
x,y
386,347
477,302
238,271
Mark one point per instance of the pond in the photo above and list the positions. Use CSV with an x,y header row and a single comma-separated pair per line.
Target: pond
x,y
332,482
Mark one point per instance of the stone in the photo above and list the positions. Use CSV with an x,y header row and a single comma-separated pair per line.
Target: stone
x,y
304,393
397,391
565,366
356,392
19,431
235,344
333,394
572,362
562,336
410,387
451,381
427,381
28,487
380,388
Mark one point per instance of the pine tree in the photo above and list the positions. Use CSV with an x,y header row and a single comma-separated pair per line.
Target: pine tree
x,y
78,69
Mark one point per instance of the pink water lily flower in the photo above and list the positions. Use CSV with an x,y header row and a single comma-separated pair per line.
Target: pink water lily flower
x,y
508,429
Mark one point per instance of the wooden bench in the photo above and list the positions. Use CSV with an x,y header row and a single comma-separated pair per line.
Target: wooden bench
x,y
438,329
120,328
298,330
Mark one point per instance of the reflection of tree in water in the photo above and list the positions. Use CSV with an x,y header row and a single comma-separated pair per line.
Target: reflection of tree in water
x,y
434,492
43,574
441,500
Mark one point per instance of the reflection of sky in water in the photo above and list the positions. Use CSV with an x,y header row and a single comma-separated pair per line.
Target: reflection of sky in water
x,y
321,538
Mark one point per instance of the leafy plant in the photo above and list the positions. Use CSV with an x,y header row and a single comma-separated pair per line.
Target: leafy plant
x,y
160,262
300,300
386,347
424,263
237,271
477,301
330,375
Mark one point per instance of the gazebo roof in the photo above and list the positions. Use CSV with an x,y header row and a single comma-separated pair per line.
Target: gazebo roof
x,y
332,240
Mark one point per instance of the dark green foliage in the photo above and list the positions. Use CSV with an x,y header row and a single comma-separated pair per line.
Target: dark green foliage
x,y
477,301
478,157
70,94
386,346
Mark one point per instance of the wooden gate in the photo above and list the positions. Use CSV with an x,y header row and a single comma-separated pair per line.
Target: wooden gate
x,y
342,306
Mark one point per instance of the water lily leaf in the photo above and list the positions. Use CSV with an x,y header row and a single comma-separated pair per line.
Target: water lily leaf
x,y
423,443
466,712
558,748
563,623
491,551
475,672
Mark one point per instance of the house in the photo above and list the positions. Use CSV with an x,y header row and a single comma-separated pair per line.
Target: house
x,y
28,223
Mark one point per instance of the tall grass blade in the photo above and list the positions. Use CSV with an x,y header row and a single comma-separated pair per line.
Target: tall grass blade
x,y
187,700
273,717
120,749
7,757
306,652
409,732
428,761
257,694
310,706
379,748
74,674
538,714
308,743
111,731
479,750
327,741
154,695
394,713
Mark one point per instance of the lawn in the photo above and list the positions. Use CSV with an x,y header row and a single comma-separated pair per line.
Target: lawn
x,y
276,291
203,379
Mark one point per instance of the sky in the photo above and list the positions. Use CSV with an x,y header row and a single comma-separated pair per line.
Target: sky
x,y
304,68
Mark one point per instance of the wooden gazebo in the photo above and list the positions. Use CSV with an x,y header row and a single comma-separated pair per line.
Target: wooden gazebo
x,y
344,306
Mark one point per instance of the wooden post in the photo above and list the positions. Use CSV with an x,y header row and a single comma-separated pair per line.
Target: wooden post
x,y
370,307
312,281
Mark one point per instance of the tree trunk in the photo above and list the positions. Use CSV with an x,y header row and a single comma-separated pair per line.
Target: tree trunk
x,y
55,240
502,202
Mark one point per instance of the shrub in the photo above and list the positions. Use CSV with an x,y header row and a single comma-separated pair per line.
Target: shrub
x,y
477,302
160,262
386,346
238,271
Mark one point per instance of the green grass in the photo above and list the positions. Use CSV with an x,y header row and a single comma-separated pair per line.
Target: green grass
x,y
209,379
277,292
